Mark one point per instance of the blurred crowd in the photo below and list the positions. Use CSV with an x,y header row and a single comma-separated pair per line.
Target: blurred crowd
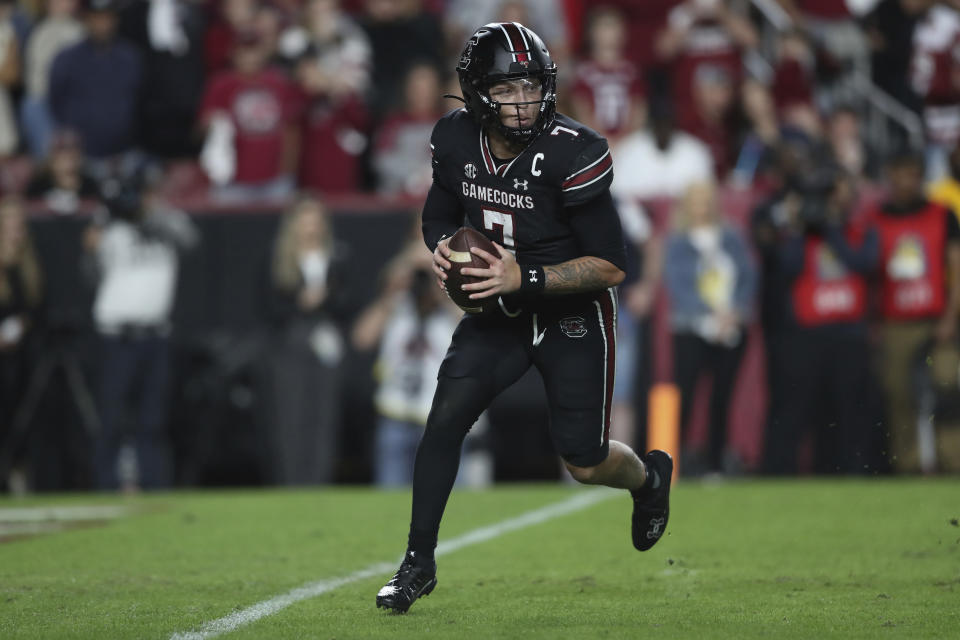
x,y
239,100
836,122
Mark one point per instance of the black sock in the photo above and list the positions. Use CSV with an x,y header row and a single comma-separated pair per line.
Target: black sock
x,y
457,403
434,472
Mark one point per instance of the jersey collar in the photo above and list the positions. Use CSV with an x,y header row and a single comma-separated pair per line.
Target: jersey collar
x,y
489,162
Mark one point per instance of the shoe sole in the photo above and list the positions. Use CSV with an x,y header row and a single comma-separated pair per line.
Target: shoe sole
x,y
427,590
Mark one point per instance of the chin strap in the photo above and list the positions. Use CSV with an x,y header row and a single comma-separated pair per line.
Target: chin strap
x,y
450,95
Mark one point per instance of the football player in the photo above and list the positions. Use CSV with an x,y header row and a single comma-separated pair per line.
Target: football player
x,y
536,183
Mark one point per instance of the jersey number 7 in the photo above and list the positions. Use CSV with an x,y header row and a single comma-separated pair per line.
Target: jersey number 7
x,y
501,222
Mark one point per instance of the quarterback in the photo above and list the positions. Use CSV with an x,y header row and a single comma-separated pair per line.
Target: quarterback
x,y
536,183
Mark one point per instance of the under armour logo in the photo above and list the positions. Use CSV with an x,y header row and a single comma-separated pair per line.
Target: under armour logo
x,y
533,275
655,528
519,184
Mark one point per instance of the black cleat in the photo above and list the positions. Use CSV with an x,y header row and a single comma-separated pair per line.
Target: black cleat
x,y
651,507
411,581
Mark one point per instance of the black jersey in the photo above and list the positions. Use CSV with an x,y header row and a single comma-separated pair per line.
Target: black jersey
x,y
548,205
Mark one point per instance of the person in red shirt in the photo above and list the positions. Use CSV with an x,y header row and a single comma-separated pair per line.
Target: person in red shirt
x,y
711,117
608,92
259,106
332,69
702,32
918,292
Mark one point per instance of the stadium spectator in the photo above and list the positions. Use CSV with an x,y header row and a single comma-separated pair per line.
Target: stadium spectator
x,y
21,291
402,34
831,24
412,321
95,89
269,22
659,162
828,261
793,75
711,118
333,74
134,256
608,91
793,88
760,137
546,17
304,363
169,35
645,21
63,182
703,32
336,44
229,18
711,283
249,115
58,29
890,28
847,145
9,77
401,153
934,71
919,295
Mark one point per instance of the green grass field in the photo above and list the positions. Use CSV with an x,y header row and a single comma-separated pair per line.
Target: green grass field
x,y
792,559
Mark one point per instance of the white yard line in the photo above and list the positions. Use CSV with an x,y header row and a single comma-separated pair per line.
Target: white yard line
x,y
62,514
276,604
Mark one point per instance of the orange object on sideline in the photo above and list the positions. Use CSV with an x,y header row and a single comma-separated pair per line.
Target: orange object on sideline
x,y
663,425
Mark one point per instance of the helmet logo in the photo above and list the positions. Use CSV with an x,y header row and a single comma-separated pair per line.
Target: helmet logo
x,y
470,170
467,54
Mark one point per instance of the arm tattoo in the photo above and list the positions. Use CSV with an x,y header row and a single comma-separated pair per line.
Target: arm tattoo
x,y
577,276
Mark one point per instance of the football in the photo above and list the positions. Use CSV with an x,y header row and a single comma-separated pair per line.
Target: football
x,y
460,257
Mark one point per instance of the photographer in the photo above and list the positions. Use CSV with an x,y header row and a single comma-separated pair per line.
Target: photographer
x,y
826,259
919,295
413,323
133,257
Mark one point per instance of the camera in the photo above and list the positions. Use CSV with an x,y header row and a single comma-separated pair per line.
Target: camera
x,y
816,190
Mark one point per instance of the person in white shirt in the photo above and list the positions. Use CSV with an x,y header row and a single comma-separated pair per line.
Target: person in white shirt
x,y
134,256
661,162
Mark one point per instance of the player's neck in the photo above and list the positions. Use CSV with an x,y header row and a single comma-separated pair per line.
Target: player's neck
x,y
501,148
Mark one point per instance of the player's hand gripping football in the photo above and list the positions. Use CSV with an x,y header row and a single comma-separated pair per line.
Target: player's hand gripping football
x,y
502,276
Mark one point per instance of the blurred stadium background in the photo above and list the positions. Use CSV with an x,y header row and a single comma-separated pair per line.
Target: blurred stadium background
x,y
211,274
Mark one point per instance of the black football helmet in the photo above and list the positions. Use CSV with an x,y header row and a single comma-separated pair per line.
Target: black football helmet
x,y
503,51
